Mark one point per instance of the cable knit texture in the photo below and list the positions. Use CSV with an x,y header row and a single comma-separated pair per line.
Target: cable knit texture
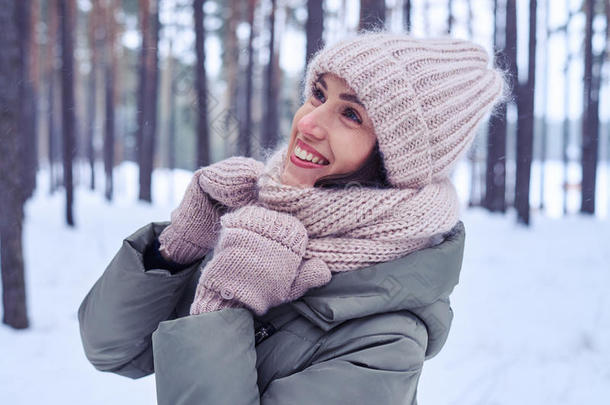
x,y
425,98
257,263
194,226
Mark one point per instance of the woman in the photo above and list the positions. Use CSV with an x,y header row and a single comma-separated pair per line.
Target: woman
x,y
332,262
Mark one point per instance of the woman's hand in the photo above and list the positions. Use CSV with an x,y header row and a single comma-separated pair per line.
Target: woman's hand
x,y
258,263
213,189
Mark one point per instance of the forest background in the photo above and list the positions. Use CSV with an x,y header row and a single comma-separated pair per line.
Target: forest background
x,y
90,87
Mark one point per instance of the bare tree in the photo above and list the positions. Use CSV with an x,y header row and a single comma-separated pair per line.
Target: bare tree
x,y
66,10
11,178
450,17
525,126
406,12
51,78
314,28
110,68
231,61
203,138
590,122
148,94
543,132
566,108
372,14
27,14
495,180
245,128
270,123
94,32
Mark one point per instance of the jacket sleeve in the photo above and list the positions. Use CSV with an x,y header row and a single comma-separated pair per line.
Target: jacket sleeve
x,y
126,304
210,359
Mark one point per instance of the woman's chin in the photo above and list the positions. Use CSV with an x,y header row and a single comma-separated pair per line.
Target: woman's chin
x,y
290,178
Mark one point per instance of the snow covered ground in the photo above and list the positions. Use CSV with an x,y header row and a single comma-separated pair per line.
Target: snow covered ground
x,y
531,326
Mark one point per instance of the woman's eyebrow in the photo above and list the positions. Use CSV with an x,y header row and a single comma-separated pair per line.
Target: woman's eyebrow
x,y
352,98
342,96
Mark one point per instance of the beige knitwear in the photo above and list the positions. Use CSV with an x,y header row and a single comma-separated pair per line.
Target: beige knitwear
x,y
424,96
425,99
195,223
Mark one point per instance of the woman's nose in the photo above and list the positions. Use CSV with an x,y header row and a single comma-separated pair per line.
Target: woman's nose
x,y
313,124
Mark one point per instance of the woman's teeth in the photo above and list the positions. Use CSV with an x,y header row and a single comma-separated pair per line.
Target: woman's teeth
x,y
303,155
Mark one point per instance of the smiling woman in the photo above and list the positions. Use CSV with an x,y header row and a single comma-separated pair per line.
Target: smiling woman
x,y
333,260
332,130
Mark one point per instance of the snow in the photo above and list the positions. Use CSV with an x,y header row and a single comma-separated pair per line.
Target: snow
x,y
532,313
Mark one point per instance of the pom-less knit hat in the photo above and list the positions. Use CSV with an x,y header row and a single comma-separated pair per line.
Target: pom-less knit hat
x,y
425,97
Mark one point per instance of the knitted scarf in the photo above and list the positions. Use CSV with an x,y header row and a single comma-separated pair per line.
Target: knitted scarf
x,y
356,226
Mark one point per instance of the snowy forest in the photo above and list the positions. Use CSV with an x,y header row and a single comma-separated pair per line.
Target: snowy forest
x,y
108,106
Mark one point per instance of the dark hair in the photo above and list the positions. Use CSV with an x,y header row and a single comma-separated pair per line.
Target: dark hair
x,y
371,173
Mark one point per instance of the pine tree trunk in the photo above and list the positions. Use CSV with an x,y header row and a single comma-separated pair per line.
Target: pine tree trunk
x,y
150,36
543,134
66,15
245,130
495,179
144,24
270,121
372,14
525,126
449,16
232,63
26,20
12,134
93,32
203,137
590,122
314,26
171,148
109,96
406,12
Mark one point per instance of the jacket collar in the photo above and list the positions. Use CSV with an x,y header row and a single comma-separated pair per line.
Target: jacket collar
x,y
419,282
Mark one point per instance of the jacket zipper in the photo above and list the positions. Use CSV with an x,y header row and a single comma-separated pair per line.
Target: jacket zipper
x,y
263,332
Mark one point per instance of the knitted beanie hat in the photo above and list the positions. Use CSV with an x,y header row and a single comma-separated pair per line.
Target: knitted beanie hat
x,y
425,97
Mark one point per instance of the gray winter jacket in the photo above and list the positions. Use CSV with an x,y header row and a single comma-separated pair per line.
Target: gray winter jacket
x,y
360,339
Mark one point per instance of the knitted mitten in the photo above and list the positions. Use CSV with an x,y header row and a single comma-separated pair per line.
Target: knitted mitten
x,y
258,263
195,224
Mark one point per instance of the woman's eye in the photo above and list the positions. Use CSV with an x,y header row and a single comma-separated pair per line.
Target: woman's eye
x,y
317,93
349,113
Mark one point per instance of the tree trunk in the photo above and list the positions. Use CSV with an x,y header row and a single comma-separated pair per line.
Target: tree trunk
x,y
449,16
245,130
470,19
150,39
495,179
566,112
372,14
203,137
314,28
406,13
66,15
543,134
26,20
144,23
231,54
110,62
11,176
93,33
525,126
171,130
270,121
590,122
51,79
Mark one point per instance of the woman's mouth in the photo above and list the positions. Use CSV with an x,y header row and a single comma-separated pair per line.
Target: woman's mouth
x,y
306,159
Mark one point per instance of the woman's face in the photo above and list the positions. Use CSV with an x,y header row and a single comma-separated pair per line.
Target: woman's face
x,y
331,134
